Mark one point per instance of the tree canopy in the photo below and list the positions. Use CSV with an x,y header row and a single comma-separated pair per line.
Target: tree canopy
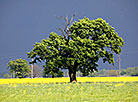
x,y
85,42
19,67
130,71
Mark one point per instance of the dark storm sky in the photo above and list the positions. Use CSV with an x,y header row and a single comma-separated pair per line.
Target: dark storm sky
x,y
24,22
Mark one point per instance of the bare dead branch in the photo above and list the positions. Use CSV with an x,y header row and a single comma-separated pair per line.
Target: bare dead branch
x,y
66,30
67,20
71,19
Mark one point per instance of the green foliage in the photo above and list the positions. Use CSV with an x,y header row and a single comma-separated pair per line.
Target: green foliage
x,y
48,73
96,39
60,73
130,71
88,41
123,72
20,67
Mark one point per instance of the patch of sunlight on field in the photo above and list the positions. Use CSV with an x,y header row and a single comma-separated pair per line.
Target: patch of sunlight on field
x,y
66,80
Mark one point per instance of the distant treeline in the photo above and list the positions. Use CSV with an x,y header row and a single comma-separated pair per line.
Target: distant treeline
x,y
131,71
38,72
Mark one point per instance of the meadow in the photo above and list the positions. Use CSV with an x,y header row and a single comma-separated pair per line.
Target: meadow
x,y
96,89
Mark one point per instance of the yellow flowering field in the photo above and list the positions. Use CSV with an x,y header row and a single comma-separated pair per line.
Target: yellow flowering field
x,y
66,80
87,89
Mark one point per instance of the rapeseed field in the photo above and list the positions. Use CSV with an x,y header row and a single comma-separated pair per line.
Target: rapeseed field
x,y
87,89
66,80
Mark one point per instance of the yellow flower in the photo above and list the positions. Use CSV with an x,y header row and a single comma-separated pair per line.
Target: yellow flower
x,y
14,85
65,80
91,87
118,85
68,87
35,85
24,91
49,89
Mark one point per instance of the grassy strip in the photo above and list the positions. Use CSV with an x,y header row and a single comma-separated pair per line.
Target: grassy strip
x,y
70,92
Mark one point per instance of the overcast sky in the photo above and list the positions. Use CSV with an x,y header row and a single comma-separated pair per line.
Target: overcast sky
x,y
24,22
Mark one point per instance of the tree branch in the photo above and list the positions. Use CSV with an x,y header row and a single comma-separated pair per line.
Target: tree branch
x,y
62,31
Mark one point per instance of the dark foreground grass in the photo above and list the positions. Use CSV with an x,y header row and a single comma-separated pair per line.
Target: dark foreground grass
x,y
70,92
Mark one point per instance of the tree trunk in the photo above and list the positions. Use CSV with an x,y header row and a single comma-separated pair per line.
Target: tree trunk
x,y
72,75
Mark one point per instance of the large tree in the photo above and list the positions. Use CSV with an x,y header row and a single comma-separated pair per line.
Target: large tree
x,y
80,47
19,67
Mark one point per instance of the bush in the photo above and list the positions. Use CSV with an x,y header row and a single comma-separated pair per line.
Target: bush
x,y
113,73
132,71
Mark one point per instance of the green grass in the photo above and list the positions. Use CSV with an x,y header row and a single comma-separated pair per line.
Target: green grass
x,y
70,92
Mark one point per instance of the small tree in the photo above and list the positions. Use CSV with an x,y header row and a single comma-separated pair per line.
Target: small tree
x,y
80,47
132,71
123,72
20,67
